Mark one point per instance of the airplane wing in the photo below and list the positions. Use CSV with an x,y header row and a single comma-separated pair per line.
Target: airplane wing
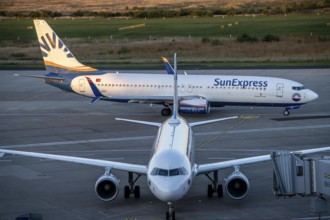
x,y
206,168
134,168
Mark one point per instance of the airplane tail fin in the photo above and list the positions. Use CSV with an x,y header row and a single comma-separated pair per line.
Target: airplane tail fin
x,y
57,57
175,95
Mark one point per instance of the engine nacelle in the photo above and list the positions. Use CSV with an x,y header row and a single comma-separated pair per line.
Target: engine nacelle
x,y
194,106
237,185
107,187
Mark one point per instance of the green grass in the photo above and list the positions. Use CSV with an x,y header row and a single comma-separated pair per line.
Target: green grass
x,y
296,47
280,25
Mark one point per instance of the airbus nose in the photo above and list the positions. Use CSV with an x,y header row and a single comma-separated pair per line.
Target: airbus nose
x,y
312,95
169,189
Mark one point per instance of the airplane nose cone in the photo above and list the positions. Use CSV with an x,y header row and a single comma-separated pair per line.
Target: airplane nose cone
x,y
170,189
312,95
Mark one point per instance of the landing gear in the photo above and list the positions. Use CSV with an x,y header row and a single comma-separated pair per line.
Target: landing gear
x,y
214,187
166,111
128,190
286,113
170,214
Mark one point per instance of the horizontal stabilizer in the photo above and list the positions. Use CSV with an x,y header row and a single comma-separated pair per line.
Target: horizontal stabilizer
x,y
210,121
140,122
40,77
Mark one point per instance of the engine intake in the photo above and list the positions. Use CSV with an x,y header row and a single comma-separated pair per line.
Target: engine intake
x,y
107,187
194,106
237,185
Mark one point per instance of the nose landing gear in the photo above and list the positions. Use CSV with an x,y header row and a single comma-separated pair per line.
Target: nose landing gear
x,y
170,214
286,112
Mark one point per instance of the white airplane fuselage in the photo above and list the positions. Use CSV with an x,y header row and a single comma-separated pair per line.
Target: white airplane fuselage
x,y
219,90
170,170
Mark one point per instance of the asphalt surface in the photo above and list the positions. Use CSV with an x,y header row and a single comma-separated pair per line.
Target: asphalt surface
x,y
38,117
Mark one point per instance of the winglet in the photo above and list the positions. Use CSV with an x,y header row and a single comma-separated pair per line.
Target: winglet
x,y
95,90
168,66
97,98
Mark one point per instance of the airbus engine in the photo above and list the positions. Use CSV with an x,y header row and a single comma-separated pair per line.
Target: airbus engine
x,y
194,106
237,185
107,187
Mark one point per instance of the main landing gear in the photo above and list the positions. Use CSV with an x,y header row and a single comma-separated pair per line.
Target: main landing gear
x,y
166,111
170,214
286,112
131,189
214,187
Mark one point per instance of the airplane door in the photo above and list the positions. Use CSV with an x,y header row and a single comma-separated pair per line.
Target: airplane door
x,y
82,85
279,89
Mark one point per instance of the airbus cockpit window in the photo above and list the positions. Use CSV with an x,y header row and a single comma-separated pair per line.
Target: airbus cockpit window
x,y
172,172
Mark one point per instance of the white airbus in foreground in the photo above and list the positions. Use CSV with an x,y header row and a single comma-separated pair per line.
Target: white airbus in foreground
x,y
197,93
172,168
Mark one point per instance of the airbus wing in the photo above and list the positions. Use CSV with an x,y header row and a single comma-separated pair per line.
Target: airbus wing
x,y
206,168
134,168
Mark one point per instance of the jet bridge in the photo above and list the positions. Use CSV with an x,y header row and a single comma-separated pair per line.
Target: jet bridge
x,y
295,174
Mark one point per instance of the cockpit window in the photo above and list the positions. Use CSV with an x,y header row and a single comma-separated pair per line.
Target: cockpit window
x,y
172,172
163,172
298,88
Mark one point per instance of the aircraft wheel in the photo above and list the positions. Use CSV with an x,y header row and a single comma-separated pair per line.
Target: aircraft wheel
x,y
209,191
220,191
166,112
137,192
170,216
286,113
127,191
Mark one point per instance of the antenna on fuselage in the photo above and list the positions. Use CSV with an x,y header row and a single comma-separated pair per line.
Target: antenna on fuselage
x,y
174,119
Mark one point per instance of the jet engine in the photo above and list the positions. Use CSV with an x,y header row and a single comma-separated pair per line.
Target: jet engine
x,y
237,185
194,106
107,187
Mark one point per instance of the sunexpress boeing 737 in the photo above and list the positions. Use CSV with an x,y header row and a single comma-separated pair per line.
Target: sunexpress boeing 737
x,y
171,169
197,93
